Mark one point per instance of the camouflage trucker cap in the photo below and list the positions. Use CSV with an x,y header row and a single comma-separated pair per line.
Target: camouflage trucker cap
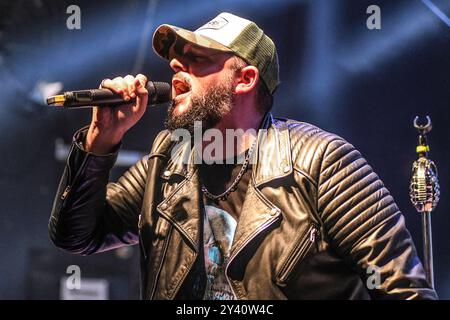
x,y
227,33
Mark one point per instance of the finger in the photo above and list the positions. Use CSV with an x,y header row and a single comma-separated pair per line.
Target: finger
x,y
121,85
129,79
107,84
141,92
143,79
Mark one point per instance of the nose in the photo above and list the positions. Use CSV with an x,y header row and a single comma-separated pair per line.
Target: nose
x,y
177,65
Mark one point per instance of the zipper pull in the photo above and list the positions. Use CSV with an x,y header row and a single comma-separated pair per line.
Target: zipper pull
x,y
312,235
65,193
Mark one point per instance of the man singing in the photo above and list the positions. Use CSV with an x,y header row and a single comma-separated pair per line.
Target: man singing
x,y
289,211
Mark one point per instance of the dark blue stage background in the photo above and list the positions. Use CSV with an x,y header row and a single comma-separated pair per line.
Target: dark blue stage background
x,y
365,85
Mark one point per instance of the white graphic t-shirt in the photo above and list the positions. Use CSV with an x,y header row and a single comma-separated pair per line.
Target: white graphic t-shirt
x,y
218,233
220,221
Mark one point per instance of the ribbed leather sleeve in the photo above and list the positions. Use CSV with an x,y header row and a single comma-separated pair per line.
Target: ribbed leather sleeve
x,y
360,218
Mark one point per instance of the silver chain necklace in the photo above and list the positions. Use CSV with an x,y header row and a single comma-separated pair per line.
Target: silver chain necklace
x,y
224,195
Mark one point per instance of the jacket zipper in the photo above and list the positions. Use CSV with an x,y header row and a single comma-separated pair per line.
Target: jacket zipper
x,y
163,257
298,252
172,225
69,176
75,179
261,229
141,242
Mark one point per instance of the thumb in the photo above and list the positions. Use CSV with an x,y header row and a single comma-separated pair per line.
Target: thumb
x,y
141,93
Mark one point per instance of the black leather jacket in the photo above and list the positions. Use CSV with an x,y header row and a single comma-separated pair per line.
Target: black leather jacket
x,y
317,222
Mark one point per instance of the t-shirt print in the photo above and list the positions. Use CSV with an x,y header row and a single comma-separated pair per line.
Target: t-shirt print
x,y
218,233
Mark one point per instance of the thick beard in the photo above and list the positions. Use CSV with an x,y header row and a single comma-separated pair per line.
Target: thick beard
x,y
209,108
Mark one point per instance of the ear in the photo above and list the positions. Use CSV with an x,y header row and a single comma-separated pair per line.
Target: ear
x,y
247,78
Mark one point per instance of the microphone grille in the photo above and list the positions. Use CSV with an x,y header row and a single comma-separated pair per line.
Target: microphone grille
x,y
159,92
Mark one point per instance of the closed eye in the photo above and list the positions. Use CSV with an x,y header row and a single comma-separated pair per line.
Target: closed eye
x,y
197,58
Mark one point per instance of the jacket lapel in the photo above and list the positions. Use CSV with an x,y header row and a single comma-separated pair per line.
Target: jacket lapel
x,y
257,215
182,205
271,161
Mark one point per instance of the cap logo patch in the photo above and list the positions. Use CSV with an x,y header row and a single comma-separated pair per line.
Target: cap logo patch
x,y
215,24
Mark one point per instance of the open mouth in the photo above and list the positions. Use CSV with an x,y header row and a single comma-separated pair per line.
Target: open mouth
x,y
180,87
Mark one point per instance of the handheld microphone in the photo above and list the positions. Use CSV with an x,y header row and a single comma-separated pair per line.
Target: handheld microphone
x,y
158,92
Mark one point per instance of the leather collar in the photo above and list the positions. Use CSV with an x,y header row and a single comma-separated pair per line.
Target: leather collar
x,y
272,159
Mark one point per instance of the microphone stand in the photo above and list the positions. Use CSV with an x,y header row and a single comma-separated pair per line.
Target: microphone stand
x,y
424,194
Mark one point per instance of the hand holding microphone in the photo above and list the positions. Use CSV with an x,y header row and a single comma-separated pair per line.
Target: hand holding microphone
x,y
159,92
109,124
118,105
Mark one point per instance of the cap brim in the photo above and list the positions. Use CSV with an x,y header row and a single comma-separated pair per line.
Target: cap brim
x,y
166,36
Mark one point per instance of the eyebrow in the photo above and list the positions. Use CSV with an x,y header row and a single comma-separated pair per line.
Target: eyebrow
x,y
193,50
